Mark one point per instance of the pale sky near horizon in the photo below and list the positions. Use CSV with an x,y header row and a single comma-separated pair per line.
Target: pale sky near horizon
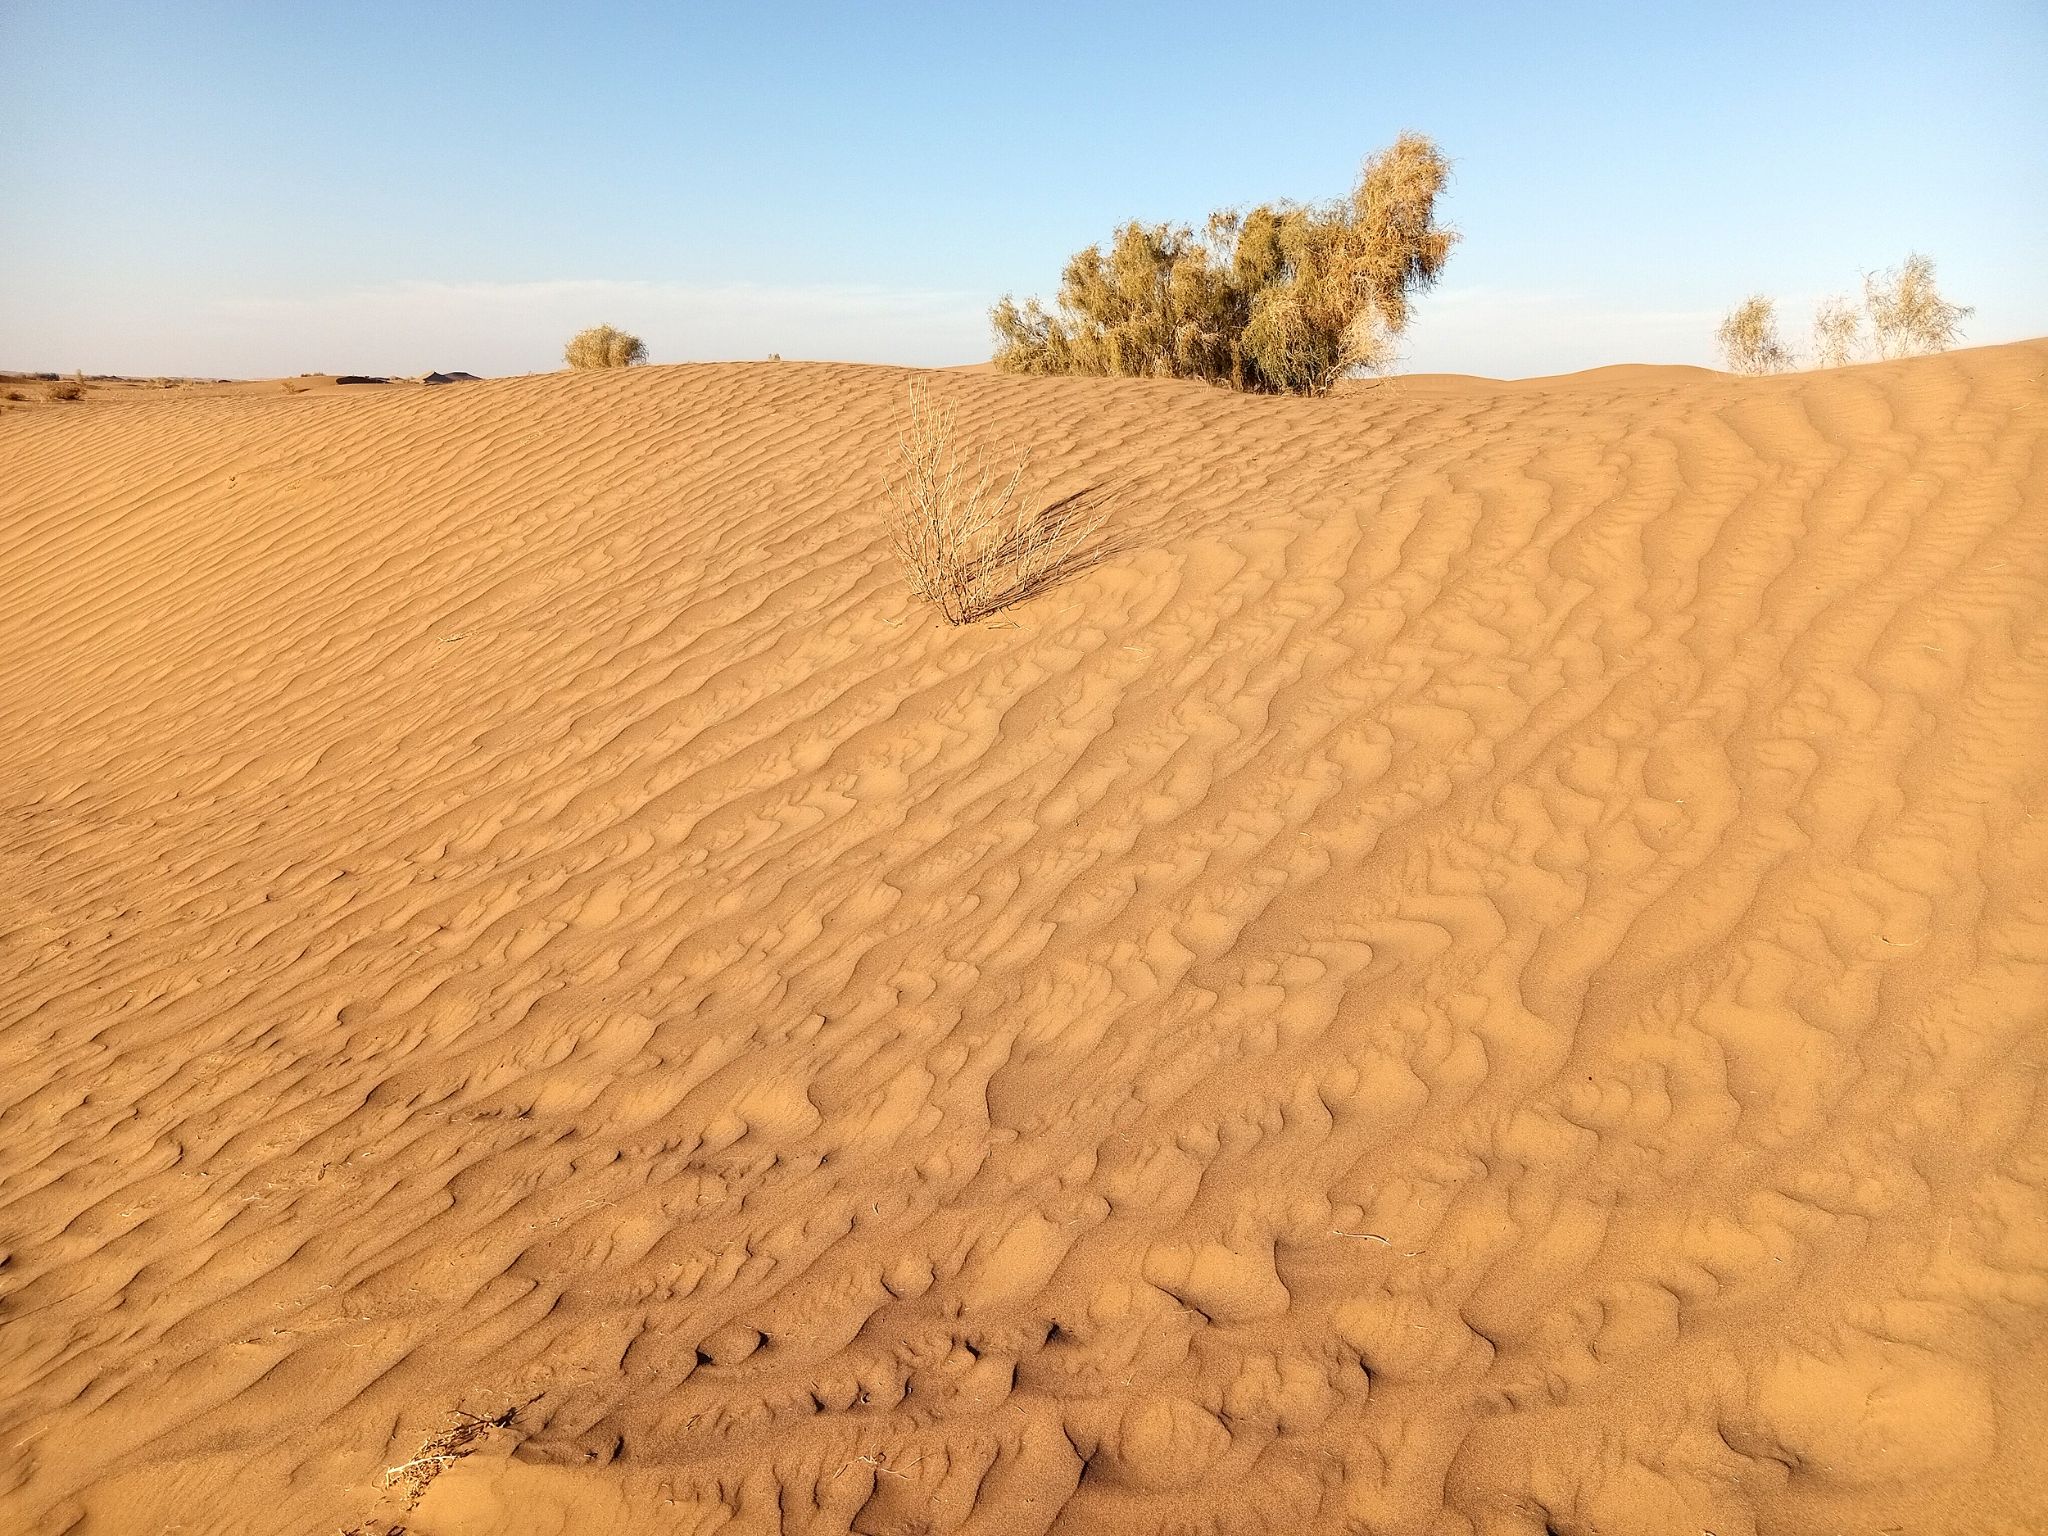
x,y
254,189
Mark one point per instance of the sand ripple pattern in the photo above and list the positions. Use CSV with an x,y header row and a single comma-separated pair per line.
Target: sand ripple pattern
x,y
1485,976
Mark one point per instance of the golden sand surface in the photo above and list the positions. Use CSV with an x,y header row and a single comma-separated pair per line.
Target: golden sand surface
x,y
1485,974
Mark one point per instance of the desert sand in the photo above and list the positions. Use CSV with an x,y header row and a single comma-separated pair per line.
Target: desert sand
x,y
1485,972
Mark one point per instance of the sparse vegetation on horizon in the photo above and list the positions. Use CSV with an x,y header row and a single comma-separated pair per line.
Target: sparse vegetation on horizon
x,y
1906,316
972,542
604,346
1283,299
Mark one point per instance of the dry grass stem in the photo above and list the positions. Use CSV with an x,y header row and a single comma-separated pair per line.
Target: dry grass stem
x,y
970,541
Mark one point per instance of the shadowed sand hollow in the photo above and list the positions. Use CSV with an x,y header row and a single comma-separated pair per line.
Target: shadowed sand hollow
x,y
1484,974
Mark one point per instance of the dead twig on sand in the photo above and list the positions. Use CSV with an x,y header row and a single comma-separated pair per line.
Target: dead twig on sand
x,y
439,1452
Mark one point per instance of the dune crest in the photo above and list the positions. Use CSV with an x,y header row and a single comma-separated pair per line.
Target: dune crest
x,y
1485,974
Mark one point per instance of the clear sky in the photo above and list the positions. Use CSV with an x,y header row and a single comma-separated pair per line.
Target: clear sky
x,y
310,185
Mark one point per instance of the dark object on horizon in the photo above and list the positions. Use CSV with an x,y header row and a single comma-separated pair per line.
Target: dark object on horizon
x,y
457,377
358,378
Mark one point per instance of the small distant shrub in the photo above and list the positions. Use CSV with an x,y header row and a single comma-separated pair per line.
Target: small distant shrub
x,y
604,346
65,389
971,542
1837,333
1284,299
15,394
1908,315
1749,338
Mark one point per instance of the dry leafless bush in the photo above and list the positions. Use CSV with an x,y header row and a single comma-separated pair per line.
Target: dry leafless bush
x,y
66,389
1749,338
1908,315
604,346
1283,299
1837,333
972,542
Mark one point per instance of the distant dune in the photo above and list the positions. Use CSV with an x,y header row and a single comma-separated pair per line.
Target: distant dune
x,y
1487,974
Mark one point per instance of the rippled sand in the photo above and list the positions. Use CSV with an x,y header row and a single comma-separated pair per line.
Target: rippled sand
x,y
1486,973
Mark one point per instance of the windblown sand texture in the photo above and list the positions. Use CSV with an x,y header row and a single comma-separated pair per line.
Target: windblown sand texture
x,y
1486,973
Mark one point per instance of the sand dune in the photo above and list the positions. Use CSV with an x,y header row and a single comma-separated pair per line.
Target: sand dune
x,y
1486,974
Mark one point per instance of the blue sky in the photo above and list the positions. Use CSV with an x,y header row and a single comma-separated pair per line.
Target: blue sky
x,y
265,188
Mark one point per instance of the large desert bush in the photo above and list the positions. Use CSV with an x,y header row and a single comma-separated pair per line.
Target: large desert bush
x,y
604,346
972,541
1907,313
1286,298
1749,338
